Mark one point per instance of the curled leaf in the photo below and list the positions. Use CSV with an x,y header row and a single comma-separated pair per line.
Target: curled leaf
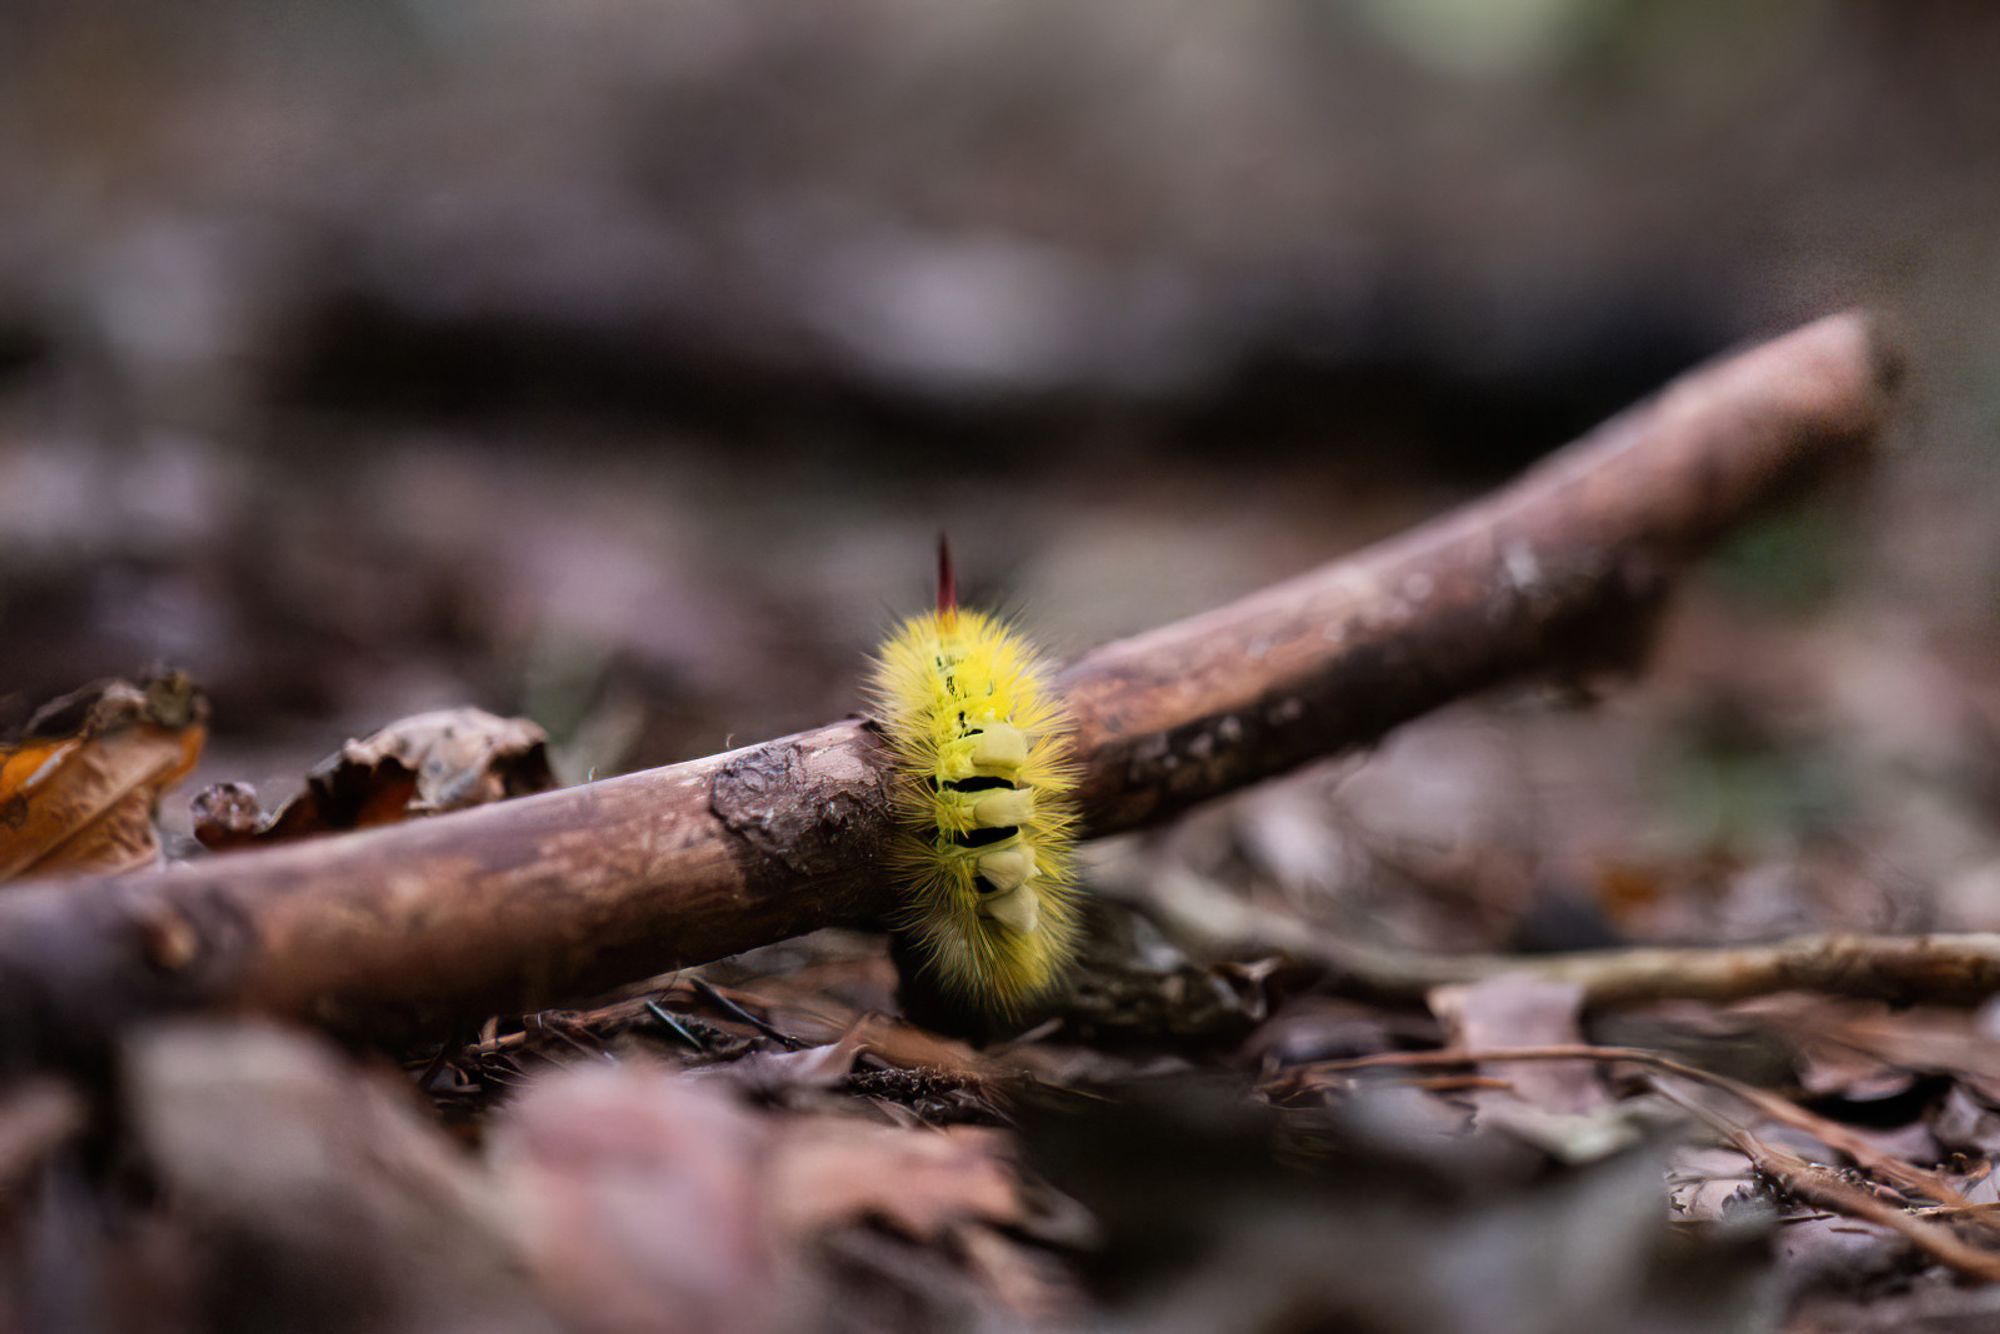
x,y
430,762
79,789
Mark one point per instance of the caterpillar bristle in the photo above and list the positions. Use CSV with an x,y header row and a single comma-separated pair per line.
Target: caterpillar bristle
x,y
947,580
984,776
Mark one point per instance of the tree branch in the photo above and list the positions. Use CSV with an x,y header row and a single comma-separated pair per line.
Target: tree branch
x,y
512,906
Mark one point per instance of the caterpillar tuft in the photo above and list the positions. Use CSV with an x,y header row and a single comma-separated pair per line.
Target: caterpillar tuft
x,y
984,776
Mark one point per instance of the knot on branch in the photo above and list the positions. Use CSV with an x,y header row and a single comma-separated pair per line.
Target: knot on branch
x,y
803,803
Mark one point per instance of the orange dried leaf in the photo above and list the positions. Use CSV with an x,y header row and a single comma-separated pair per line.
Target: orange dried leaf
x,y
79,791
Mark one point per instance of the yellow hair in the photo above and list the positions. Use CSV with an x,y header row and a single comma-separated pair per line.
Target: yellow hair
x,y
985,771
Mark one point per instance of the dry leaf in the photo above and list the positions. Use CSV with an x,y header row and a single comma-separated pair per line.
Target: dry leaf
x,y
1524,1011
344,1206
1561,1107
643,1202
424,764
658,1202
923,1183
79,790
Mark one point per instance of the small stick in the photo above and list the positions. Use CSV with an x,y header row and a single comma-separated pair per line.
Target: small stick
x,y
1810,1183
1939,969
1816,1186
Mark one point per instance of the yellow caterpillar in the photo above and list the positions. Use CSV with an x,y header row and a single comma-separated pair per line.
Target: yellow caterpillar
x,y
985,771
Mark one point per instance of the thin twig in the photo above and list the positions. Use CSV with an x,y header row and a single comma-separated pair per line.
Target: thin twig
x,y
1816,1186
1938,969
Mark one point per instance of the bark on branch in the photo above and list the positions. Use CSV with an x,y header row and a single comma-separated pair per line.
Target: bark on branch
x,y
514,906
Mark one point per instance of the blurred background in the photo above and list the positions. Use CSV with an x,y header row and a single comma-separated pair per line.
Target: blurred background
x,y
617,364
